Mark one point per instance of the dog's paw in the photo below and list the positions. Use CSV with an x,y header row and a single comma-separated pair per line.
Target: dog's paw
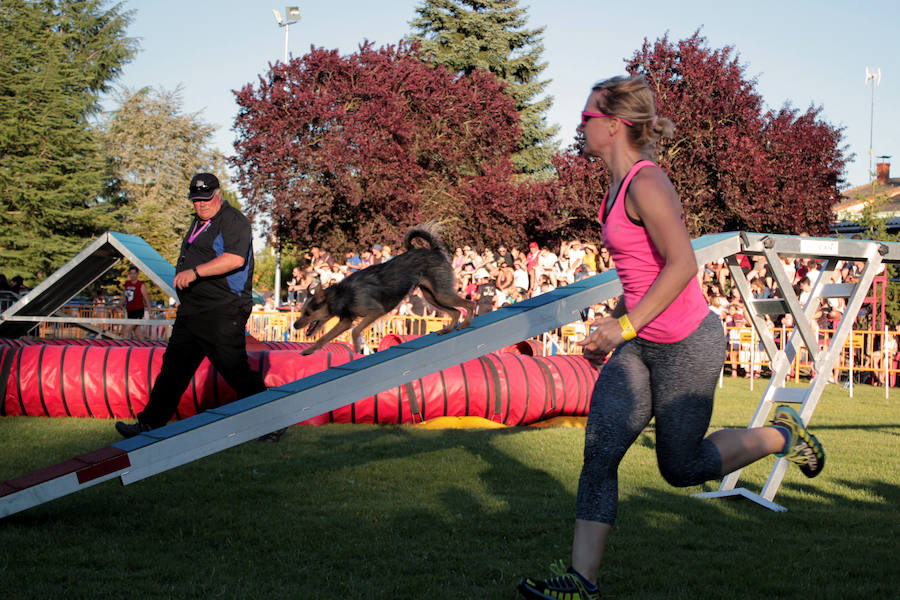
x,y
308,351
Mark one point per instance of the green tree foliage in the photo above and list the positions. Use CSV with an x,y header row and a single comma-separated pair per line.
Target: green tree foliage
x,y
264,268
56,58
466,35
153,149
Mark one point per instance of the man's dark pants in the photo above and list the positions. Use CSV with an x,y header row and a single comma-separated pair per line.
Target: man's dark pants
x,y
218,336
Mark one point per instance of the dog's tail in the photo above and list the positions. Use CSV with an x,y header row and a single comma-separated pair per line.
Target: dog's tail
x,y
430,234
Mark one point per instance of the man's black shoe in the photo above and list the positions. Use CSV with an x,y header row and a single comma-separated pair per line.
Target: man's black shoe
x,y
129,430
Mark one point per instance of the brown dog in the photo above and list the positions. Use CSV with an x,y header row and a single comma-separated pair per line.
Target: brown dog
x,y
376,290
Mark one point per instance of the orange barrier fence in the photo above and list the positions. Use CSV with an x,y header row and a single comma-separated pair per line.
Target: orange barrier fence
x,y
868,356
102,311
277,326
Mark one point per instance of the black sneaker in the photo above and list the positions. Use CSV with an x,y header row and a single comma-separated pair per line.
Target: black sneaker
x,y
563,585
129,430
803,449
272,437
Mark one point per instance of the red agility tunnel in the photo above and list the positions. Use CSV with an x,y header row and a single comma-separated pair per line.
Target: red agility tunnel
x,y
333,347
252,343
393,339
115,382
79,342
507,388
527,347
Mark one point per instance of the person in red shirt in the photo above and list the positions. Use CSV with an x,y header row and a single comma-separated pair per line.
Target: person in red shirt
x,y
531,262
136,302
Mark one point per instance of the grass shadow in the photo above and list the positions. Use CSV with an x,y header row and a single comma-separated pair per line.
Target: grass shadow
x,y
385,512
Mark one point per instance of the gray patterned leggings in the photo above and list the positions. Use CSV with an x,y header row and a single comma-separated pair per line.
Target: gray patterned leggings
x,y
674,383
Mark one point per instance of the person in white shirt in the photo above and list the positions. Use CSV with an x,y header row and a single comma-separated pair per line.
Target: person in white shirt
x,y
813,273
520,277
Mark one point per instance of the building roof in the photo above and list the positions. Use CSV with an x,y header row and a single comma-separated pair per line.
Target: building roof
x,y
853,200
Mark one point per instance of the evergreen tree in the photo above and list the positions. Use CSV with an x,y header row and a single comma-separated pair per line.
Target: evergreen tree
x,y
153,150
56,58
466,35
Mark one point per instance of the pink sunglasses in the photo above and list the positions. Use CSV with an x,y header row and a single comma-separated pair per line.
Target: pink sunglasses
x,y
585,115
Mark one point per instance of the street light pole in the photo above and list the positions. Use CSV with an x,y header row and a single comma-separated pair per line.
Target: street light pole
x,y
875,77
287,35
291,16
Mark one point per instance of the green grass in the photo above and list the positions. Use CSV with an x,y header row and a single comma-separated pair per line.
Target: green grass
x,y
353,511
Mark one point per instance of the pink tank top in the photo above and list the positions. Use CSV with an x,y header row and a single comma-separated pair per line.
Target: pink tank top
x,y
638,264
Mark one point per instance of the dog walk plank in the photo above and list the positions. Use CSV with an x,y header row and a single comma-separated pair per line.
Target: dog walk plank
x,y
243,420
248,403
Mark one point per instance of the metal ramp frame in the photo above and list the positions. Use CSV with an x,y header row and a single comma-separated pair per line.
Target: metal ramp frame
x,y
772,247
232,424
42,303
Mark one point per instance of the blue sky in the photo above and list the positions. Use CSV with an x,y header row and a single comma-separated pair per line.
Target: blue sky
x,y
800,51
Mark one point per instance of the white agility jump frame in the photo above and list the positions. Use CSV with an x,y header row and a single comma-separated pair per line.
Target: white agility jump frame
x,y
831,251
232,424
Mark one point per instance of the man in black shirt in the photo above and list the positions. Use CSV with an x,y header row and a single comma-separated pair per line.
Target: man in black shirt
x,y
502,257
484,293
213,277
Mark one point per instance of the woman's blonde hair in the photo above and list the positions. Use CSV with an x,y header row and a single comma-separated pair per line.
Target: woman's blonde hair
x,y
630,98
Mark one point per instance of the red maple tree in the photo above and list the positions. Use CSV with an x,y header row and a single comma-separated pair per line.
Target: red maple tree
x,y
343,151
565,206
735,164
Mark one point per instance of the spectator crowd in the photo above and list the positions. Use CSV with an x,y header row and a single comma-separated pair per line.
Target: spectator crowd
x,y
492,277
496,277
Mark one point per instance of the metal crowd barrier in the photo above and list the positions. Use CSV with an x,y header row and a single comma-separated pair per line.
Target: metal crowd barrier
x,y
866,357
861,360
57,330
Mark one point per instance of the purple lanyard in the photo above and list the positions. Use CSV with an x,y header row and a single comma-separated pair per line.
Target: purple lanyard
x,y
195,232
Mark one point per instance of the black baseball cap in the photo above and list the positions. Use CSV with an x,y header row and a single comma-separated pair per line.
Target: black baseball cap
x,y
203,187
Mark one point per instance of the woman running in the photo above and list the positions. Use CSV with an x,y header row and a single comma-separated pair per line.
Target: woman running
x,y
669,347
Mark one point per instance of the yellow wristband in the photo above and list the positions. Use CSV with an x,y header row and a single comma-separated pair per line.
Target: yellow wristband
x,y
628,331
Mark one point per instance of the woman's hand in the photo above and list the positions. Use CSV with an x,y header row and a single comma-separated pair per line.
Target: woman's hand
x,y
606,334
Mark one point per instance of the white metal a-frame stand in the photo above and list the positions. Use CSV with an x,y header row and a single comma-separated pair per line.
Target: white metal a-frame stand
x,y
832,252
43,303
